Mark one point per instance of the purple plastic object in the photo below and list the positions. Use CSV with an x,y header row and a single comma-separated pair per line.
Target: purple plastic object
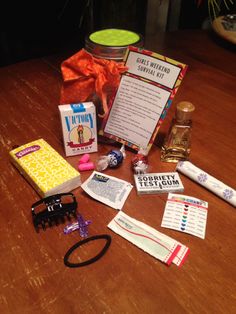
x,y
80,225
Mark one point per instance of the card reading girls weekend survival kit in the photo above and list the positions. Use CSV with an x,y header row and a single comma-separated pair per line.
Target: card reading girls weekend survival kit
x,y
144,95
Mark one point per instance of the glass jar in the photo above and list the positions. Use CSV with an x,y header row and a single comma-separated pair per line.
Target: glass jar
x,y
112,43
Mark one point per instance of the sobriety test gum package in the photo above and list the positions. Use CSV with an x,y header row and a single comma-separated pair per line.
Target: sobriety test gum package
x,y
79,128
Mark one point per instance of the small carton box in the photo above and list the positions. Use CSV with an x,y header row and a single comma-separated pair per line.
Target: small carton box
x,y
163,182
79,128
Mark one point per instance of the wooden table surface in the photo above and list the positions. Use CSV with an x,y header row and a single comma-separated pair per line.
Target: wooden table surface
x,y
126,280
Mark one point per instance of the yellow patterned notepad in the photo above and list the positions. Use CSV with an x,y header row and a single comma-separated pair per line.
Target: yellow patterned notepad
x,y
45,169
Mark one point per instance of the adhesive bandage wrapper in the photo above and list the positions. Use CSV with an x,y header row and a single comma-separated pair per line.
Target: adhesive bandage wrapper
x,y
219,188
148,239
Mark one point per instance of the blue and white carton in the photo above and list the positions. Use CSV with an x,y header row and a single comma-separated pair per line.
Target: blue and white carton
x,y
79,128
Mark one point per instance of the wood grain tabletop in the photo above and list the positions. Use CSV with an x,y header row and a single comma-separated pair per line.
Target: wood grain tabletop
x,y
33,276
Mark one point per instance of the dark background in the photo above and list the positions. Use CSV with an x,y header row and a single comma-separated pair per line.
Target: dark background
x,y
30,29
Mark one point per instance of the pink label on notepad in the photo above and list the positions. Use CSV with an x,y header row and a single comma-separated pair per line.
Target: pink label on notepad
x,y
27,151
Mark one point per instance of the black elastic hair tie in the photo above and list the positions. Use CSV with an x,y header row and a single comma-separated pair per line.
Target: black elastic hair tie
x,y
91,260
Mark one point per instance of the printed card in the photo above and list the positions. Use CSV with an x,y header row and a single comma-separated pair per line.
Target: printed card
x,y
186,214
144,95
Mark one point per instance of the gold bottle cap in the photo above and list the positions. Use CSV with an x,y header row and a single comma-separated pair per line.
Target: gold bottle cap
x,y
184,110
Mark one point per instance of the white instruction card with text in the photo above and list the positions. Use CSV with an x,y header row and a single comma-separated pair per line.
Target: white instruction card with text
x,y
143,97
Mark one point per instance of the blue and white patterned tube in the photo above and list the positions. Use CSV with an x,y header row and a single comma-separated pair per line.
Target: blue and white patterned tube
x,y
219,188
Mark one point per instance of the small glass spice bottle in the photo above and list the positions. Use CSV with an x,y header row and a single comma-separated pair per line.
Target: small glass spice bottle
x,y
177,143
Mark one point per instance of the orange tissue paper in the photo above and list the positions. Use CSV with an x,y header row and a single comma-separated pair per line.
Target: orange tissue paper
x,y
85,76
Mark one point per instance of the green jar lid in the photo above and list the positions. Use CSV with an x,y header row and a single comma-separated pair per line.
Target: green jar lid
x,y
114,37
112,43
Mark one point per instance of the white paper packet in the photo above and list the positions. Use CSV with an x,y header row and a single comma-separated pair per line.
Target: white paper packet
x,y
107,189
148,239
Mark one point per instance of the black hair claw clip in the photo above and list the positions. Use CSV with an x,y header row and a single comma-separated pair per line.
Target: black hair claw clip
x,y
53,209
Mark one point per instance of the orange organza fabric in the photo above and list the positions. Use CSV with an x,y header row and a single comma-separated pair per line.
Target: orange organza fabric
x,y
85,75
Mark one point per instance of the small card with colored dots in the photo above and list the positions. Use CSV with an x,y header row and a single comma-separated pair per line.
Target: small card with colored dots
x,y
186,214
